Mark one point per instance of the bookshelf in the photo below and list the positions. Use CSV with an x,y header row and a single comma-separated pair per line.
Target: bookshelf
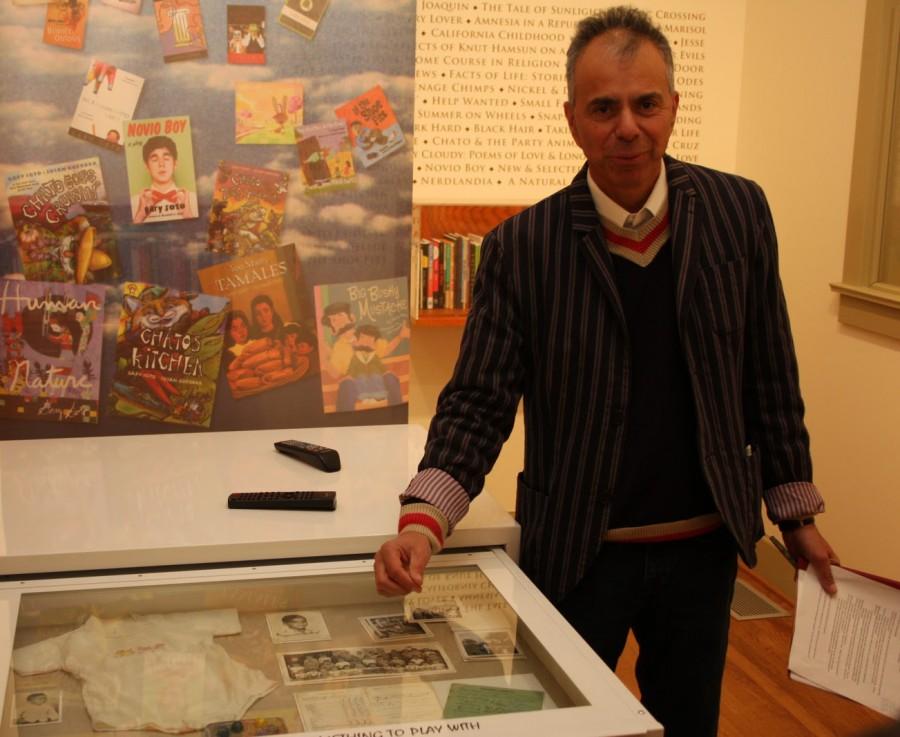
x,y
435,221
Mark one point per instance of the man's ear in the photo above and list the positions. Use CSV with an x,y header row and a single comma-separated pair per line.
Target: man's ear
x,y
569,110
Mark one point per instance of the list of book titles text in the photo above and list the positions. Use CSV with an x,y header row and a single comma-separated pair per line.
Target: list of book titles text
x,y
490,88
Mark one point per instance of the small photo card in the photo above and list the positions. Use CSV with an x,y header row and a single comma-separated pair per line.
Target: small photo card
x,y
37,706
431,608
361,662
487,644
383,627
297,626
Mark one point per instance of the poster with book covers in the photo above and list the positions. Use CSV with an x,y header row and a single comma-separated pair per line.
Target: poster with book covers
x,y
246,34
168,353
160,161
363,330
180,27
326,160
132,6
374,130
50,353
108,98
269,342
247,211
267,112
303,16
66,23
63,222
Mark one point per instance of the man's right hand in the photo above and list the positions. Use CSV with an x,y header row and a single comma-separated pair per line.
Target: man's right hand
x,y
400,564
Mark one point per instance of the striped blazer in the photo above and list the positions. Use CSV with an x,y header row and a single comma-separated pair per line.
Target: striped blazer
x,y
547,325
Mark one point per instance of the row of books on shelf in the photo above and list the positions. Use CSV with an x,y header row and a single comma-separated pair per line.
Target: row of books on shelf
x,y
443,270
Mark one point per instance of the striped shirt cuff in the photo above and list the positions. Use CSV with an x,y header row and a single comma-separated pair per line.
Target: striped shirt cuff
x,y
795,500
426,520
441,490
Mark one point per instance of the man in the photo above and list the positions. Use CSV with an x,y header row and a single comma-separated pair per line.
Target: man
x,y
163,199
639,313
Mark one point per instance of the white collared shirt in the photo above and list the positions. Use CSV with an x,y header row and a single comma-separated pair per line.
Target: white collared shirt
x,y
619,215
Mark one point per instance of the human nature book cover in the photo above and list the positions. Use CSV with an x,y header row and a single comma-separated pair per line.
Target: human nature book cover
x,y
267,112
326,159
246,30
363,335
63,222
168,353
247,211
108,98
269,341
50,353
66,23
159,157
180,27
374,130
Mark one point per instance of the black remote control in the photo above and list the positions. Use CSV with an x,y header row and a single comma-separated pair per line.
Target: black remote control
x,y
322,501
325,459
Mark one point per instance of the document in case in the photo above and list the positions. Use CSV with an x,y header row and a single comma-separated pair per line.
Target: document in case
x,y
410,702
849,643
467,700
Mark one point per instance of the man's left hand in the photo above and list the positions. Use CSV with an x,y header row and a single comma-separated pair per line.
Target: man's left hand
x,y
807,545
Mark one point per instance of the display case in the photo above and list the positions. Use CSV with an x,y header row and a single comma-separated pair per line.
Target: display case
x,y
304,648
135,600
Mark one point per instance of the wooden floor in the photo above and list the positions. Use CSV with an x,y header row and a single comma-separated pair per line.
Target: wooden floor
x,y
758,697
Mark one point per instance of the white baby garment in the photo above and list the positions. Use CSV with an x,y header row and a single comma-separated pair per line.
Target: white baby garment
x,y
159,671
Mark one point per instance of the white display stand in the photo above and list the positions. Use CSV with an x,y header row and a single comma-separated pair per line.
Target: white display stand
x,y
87,504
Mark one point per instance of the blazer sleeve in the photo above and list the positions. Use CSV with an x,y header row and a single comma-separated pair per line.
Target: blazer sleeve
x,y
477,408
773,403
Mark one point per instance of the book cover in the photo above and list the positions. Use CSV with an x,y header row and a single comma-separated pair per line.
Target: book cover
x,y
326,160
268,342
168,352
363,334
247,211
63,222
267,112
160,161
246,34
50,353
180,27
303,16
132,6
374,130
108,98
66,23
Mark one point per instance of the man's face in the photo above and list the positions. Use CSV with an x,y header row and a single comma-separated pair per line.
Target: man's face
x,y
621,117
161,165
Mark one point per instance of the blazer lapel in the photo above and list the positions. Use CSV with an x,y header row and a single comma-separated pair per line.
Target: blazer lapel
x,y
686,217
589,236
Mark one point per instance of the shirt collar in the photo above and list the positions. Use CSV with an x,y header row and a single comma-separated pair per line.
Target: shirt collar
x,y
619,215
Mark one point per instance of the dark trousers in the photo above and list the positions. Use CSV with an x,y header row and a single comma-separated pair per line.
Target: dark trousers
x,y
676,597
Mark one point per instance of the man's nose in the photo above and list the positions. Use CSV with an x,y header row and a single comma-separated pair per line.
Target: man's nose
x,y
626,127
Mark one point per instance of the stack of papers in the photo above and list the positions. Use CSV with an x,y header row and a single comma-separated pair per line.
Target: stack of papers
x,y
849,643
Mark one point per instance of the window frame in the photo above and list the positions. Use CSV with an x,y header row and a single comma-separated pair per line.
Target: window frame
x,y
866,302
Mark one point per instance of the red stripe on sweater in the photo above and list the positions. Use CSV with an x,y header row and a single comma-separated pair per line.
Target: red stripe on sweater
x,y
417,518
638,245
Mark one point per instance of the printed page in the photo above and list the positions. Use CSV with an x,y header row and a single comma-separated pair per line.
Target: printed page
x,y
849,643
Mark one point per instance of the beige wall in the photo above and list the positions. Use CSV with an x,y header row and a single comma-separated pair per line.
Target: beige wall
x,y
798,107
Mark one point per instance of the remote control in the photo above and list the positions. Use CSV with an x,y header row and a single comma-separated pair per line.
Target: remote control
x,y
322,501
325,459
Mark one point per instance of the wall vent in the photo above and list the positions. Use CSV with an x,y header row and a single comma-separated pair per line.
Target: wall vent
x,y
748,603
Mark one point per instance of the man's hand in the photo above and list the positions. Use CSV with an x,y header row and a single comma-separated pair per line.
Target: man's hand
x,y
400,564
807,545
